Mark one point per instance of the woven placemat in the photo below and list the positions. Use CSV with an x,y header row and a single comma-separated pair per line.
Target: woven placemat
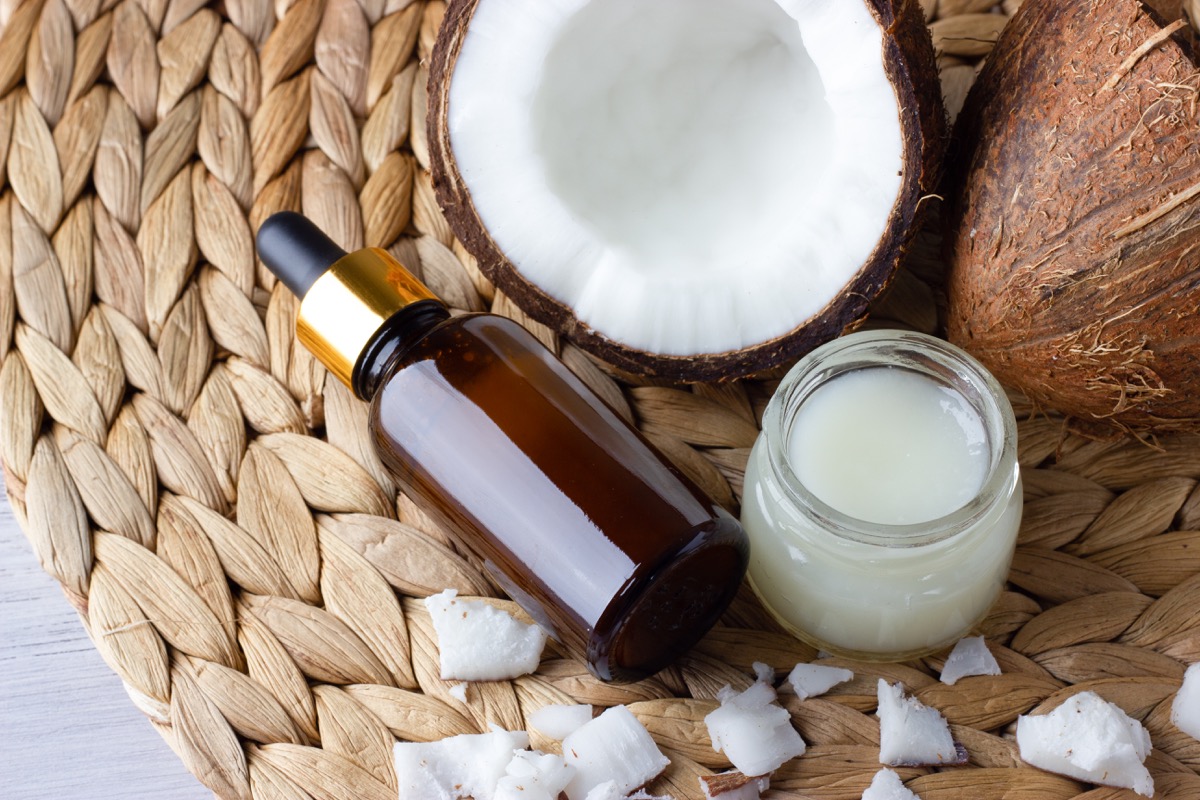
x,y
210,503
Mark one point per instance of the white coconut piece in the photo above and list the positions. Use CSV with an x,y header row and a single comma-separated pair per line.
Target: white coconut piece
x,y
609,791
886,785
911,733
458,691
1185,710
478,642
763,672
753,731
613,746
1089,739
534,776
468,765
605,791
734,785
560,721
969,657
810,680
642,794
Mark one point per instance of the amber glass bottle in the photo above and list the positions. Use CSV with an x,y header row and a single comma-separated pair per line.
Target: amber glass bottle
x,y
588,527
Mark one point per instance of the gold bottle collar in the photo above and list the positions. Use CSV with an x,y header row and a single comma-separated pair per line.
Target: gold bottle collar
x,y
346,306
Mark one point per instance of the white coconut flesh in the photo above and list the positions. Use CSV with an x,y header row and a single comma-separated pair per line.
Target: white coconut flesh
x,y
688,176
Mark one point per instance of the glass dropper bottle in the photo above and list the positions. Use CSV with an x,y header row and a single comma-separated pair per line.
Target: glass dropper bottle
x,y
581,520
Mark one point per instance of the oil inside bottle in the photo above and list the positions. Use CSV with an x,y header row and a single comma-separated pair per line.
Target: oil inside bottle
x,y
625,561
577,516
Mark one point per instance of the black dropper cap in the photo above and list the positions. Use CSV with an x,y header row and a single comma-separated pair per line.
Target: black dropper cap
x,y
296,250
358,294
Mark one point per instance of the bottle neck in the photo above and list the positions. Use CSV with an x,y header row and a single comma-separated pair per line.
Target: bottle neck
x,y
400,332
347,306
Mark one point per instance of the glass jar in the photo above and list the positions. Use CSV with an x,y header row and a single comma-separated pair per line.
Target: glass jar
x,y
871,590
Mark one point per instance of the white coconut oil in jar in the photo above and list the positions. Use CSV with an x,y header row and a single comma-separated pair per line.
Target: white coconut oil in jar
x,y
883,496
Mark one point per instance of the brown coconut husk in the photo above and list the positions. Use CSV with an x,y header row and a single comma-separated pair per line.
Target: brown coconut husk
x,y
1171,10
909,60
1074,228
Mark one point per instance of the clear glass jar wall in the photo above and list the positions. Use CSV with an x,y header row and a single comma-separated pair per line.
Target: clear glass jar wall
x,y
871,590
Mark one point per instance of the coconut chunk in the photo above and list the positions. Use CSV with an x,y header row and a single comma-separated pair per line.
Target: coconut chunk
x,y
911,733
1089,739
810,680
886,785
613,746
560,721
605,791
478,642
534,775
610,791
458,691
763,672
642,794
734,785
1185,710
752,730
969,657
468,765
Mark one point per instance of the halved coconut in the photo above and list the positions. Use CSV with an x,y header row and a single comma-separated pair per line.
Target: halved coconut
x,y
688,188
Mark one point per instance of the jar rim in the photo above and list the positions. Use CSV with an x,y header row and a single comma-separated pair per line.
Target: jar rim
x,y
932,357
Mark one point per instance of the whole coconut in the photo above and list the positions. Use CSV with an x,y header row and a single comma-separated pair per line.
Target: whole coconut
x,y
1074,230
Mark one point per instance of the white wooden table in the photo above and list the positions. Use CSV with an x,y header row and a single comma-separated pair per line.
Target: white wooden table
x,y
67,729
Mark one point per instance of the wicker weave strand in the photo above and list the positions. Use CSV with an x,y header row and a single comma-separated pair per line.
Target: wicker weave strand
x,y
210,502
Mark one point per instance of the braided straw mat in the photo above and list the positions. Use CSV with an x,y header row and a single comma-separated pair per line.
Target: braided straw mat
x,y
208,499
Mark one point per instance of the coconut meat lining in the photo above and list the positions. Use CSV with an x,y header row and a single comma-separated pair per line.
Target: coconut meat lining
x,y
688,176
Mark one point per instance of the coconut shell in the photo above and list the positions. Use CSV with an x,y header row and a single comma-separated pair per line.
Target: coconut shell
x,y
1074,228
909,62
